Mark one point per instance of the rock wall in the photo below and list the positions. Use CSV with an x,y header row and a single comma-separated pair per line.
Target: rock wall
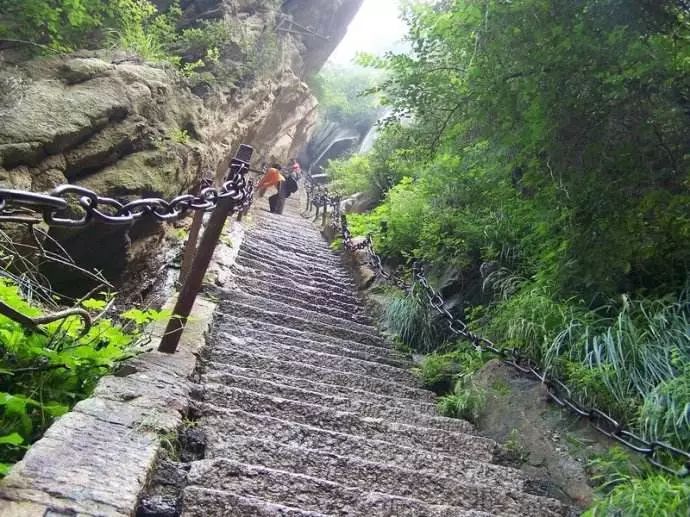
x,y
125,128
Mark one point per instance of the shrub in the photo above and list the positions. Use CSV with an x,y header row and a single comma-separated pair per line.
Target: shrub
x,y
440,371
43,375
415,322
655,495
466,401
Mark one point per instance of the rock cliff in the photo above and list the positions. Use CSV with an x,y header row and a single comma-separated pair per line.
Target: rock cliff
x,y
125,128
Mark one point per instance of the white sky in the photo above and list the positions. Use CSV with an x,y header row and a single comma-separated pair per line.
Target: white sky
x,y
375,29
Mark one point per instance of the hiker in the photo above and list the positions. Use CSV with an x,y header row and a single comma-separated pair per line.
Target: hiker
x,y
295,169
271,178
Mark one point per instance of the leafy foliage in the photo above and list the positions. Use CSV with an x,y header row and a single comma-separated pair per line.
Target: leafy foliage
x,y
411,318
540,152
340,91
466,401
626,487
43,375
140,27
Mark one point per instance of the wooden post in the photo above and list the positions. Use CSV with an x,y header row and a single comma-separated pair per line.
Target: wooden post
x,y
202,259
190,246
195,277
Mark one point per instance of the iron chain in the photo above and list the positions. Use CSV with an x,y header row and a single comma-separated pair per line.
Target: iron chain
x,y
55,210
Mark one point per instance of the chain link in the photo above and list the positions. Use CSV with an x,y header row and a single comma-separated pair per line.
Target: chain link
x,y
56,210
661,455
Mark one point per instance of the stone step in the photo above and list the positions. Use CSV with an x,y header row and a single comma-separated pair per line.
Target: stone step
x,y
289,287
225,428
240,309
277,237
235,329
423,438
268,304
217,393
286,245
335,272
282,264
291,225
327,260
243,326
483,487
228,374
297,285
209,502
313,494
228,344
293,221
328,284
354,470
327,375
299,302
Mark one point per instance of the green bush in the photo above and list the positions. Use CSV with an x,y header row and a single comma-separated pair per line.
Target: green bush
x,y
410,317
342,99
57,24
466,401
654,495
440,371
43,375
349,176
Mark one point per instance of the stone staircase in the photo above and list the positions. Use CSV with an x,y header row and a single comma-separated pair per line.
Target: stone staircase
x,y
307,411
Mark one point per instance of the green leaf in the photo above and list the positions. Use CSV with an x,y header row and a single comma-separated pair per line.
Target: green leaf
x,y
11,439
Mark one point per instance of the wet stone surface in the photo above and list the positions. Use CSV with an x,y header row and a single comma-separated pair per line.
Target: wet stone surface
x,y
301,407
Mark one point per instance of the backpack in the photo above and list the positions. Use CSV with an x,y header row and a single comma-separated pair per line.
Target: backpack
x,y
290,186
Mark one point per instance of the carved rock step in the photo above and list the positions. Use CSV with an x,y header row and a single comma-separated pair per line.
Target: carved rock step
x,y
327,375
505,497
309,493
291,287
333,265
327,260
302,241
293,227
233,331
299,283
229,375
240,309
225,428
320,281
293,222
313,316
209,502
224,351
423,438
270,243
299,301
383,477
218,393
298,272
290,261
247,327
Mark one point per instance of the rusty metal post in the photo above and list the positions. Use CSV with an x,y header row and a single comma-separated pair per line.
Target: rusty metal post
x,y
190,246
202,259
192,284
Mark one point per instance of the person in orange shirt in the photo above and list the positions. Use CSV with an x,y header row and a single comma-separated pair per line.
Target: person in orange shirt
x,y
271,178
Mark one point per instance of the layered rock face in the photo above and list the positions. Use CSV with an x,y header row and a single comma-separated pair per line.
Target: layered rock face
x,y
128,129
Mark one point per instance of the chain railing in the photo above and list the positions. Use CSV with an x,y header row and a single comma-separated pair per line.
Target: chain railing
x,y
73,206
662,455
